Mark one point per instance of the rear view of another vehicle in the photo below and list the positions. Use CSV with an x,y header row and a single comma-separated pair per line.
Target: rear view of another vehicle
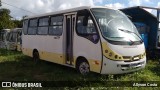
x,y
14,39
3,38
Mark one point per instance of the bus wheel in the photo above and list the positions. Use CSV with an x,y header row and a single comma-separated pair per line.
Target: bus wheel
x,y
83,67
36,56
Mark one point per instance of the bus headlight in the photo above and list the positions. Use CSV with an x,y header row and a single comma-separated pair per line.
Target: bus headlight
x,y
110,54
142,55
120,58
116,56
106,51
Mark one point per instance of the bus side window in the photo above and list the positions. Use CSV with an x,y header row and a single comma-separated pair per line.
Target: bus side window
x,y
1,36
25,27
7,37
32,26
10,37
86,27
43,26
56,26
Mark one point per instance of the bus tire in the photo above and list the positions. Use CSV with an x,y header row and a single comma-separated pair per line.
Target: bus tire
x,y
35,56
83,66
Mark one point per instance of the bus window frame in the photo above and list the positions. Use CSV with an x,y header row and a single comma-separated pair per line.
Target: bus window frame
x,y
32,26
50,25
94,22
26,26
43,25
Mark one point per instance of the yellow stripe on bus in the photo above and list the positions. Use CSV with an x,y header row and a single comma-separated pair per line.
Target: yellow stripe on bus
x,y
95,65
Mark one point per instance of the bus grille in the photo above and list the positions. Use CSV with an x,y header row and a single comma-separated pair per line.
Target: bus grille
x,y
131,66
131,59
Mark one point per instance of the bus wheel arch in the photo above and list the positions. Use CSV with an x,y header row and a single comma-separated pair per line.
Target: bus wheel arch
x,y
82,65
35,55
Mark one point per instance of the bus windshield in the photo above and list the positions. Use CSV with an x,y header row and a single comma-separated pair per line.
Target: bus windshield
x,y
115,25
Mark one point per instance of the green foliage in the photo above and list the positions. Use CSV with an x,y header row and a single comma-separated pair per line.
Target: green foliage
x,y
5,19
18,23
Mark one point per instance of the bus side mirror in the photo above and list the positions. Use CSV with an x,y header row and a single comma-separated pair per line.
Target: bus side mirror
x,y
85,21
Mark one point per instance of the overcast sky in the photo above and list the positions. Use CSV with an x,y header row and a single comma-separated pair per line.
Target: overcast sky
x,y
44,6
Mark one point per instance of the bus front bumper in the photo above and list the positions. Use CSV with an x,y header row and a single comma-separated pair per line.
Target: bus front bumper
x,y
120,67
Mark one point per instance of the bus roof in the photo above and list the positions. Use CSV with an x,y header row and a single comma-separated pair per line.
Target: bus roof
x,y
6,29
67,10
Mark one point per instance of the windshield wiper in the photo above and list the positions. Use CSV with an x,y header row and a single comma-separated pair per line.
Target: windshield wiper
x,y
116,37
124,37
127,31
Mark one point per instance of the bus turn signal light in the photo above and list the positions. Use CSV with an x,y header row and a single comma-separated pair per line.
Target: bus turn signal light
x,y
106,51
96,62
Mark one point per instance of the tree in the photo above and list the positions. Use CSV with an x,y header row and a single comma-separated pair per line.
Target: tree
x,y
5,19
18,23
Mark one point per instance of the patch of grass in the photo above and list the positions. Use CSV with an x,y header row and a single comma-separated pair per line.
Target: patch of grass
x,y
14,66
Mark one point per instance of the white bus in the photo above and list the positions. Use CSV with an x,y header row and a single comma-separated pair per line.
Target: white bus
x,y
14,39
3,38
97,39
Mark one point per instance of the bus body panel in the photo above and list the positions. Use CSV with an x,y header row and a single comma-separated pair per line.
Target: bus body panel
x,y
92,52
127,50
134,62
49,48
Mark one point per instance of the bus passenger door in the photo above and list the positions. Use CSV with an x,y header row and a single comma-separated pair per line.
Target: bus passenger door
x,y
69,25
